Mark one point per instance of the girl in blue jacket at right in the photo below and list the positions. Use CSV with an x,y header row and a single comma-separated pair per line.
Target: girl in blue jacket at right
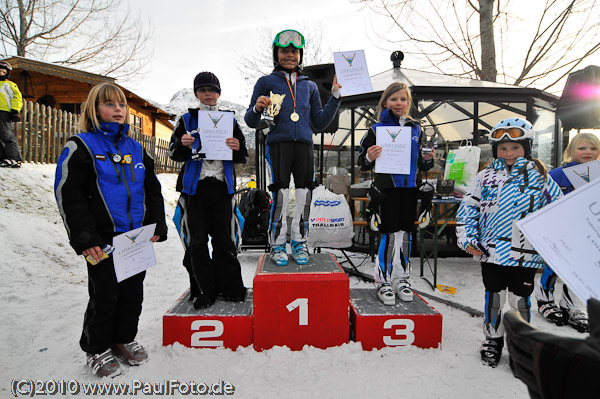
x,y
399,192
507,190
289,141
584,147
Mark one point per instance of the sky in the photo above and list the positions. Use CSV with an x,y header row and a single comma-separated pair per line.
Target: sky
x,y
191,36
194,36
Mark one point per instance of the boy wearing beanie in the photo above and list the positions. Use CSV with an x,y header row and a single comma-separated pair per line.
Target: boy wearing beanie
x,y
207,188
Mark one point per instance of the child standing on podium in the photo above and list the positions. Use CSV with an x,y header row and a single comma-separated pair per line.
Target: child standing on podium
x,y
207,188
398,195
290,141
508,189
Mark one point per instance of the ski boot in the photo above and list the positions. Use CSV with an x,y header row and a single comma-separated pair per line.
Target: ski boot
x,y
300,252
234,296
103,364
491,351
385,292
132,353
279,255
203,301
577,319
403,290
10,163
552,313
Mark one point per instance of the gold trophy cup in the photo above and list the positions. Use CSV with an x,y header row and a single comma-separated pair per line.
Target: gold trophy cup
x,y
272,110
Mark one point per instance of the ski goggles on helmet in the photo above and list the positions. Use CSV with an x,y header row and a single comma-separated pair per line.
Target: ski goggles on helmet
x,y
287,37
510,133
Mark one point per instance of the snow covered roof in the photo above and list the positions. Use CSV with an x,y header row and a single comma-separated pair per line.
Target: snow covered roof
x,y
61,71
453,105
439,86
49,68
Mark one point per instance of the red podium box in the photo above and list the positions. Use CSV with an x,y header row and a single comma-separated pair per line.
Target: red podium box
x,y
376,325
224,324
297,305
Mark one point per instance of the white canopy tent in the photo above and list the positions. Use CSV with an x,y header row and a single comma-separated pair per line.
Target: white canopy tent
x,y
454,107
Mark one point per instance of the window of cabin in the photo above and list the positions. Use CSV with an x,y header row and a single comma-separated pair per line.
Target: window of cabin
x,y
135,123
74,108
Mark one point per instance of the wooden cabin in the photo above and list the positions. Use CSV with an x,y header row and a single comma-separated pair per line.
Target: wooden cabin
x,y
65,88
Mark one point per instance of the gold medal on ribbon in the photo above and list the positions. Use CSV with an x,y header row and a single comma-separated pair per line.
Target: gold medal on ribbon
x,y
294,115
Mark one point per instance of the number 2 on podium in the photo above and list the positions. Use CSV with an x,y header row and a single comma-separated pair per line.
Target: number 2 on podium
x,y
302,305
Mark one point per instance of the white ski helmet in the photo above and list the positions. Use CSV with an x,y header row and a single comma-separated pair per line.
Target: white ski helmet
x,y
513,129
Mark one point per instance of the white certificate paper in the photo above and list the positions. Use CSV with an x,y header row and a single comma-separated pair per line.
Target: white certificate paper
x,y
352,73
134,252
567,235
395,142
214,127
583,173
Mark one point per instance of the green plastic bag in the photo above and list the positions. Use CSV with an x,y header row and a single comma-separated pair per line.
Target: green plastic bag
x,y
461,165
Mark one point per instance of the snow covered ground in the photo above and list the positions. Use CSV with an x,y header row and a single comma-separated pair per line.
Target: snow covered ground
x,y
44,294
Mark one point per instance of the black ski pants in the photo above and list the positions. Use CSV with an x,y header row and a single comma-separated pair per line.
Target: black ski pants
x,y
113,310
9,147
210,213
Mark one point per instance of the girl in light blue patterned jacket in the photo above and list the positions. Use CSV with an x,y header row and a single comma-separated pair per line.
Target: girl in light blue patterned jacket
x,y
508,189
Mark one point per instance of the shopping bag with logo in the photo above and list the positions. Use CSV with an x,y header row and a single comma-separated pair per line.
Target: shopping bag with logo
x,y
330,223
462,164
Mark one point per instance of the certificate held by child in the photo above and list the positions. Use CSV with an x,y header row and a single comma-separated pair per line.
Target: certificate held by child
x,y
214,127
395,149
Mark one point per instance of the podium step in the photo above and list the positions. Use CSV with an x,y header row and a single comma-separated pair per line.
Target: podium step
x,y
376,325
297,305
224,324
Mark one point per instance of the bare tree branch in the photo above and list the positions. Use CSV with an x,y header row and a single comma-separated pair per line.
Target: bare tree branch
x,y
508,42
96,35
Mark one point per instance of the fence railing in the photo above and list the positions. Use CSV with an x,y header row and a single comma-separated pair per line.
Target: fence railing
x,y
43,132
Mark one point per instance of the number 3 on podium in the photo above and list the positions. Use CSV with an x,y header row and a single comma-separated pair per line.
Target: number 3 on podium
x,y
407,332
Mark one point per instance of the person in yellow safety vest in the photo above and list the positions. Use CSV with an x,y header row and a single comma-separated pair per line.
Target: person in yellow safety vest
x,y
11,103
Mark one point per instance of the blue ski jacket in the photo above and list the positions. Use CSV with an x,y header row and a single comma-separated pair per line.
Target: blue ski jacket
x,y
558,175
105,185
383,180
308,107
496,199
190,172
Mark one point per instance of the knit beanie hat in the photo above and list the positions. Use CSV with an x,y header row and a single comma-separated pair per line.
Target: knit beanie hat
x,y
206,79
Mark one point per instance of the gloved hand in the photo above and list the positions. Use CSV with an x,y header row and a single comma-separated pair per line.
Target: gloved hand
x,y
373,218
426,193
424,218
375,195
551,366
14,115
373,211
